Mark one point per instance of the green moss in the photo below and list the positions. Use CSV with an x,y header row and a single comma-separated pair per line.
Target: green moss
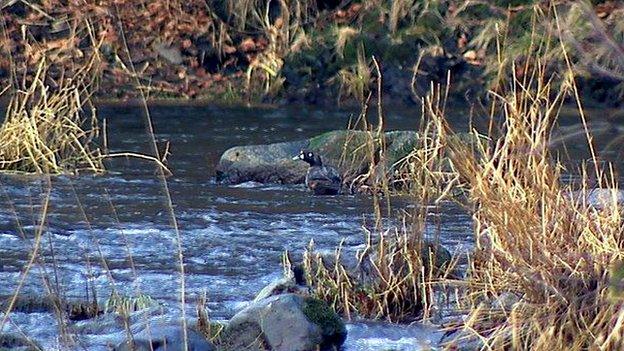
x,y
319,313
345,149
400,144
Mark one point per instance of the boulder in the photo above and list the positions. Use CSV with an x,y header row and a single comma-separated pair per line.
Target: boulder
x,y
286,322
272,163
76,310
167,337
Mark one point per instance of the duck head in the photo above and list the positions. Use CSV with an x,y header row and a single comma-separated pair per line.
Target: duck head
x,y
309,157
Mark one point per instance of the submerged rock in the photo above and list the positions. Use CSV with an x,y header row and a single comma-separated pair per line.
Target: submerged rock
x,y
344,149
17,343
166,337
599,198
286,322
76,310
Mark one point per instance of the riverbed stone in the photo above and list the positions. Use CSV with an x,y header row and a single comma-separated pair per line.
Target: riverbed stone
x,y
16,342
284,285
344,149
76,310
287,322
165,337
270,163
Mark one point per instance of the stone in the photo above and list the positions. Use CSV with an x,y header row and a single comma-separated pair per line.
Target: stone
x,y
76,310
169,53
272,163
280,286
286,322
167,337
15,342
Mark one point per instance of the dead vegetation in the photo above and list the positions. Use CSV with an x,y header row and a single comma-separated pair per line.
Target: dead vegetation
x,y
546,271
52,130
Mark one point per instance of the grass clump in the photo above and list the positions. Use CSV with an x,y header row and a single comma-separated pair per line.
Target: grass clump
x,y
125,305
48,131
391,280
539,240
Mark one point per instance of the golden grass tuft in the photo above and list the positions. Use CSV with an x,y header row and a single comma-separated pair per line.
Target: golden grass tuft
x,y
48,131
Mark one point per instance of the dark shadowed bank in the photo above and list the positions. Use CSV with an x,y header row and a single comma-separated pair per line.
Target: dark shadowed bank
x,y
310,51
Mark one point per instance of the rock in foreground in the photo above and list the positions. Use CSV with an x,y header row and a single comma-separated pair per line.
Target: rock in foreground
x,y
286,322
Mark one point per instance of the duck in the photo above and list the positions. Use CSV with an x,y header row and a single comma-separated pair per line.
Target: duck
x,y
320,179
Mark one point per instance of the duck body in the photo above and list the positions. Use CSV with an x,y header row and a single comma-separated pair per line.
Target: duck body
x,y
320,179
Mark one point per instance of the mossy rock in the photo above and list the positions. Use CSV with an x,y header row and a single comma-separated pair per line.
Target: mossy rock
x,y
333,328
399,145
347,150
287,322
344,149
272,163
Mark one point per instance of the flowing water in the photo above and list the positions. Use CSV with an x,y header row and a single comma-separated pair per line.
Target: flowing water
x,y
114,231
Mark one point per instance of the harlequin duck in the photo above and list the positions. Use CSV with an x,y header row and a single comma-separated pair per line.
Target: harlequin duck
x,y
322,180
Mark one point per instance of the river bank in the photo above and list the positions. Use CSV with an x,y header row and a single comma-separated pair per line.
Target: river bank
x,y
310,52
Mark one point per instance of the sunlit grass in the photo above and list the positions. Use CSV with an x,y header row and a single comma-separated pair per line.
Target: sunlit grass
x,y
51,131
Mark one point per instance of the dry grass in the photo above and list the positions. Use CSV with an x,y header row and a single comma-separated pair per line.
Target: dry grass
x,y
540,246
49,131
394,276
547,269
538,242
393,279
355,81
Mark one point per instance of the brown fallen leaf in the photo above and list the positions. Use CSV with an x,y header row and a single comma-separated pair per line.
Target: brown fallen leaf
x,y
247,45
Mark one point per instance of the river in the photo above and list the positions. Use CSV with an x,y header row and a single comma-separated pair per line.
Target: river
x,y
232,236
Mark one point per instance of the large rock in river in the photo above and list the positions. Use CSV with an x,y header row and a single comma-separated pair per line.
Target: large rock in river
x,y
286,322
272,163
